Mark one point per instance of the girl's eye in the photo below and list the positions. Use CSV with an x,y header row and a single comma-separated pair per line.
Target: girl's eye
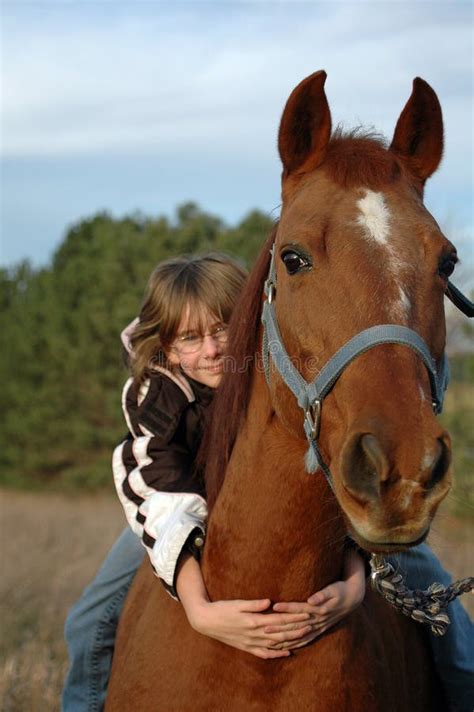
x,y
446,266
189,338
294,262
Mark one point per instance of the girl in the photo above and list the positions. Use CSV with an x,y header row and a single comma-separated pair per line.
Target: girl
x,y
177,350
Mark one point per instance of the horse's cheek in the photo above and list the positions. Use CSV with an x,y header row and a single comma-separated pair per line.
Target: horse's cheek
x,y
286,408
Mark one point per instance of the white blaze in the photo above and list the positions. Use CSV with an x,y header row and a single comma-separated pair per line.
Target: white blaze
x,y
404,301
374,216
402,305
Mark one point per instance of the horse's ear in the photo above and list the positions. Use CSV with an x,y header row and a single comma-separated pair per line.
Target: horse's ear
x,y
418,136
305,126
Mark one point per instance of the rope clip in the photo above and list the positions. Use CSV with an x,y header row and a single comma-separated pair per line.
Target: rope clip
x,y
313,418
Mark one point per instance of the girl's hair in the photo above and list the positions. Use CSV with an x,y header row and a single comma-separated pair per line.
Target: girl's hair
x,y
205,283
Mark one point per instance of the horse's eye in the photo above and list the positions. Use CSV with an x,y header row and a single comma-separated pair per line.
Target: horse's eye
x,y
294,261
447,265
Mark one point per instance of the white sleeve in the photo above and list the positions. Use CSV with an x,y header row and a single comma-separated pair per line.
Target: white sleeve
x,y
170,519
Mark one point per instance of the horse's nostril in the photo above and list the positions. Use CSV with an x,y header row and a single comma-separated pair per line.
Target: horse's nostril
x,y
364,466
440,467
375,456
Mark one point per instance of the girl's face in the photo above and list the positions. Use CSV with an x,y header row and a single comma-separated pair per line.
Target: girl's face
x,y
200,353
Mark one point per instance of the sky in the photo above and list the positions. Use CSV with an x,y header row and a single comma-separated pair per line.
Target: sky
x,y
129,105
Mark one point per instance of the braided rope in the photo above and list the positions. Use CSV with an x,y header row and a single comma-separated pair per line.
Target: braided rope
x,y
426,607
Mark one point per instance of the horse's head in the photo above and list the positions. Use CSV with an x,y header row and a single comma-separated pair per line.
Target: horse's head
x,y
355,248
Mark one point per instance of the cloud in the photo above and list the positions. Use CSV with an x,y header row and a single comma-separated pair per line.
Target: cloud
x,y
137,76
198,88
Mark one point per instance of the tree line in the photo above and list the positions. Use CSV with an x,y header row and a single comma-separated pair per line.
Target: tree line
x,y
61,365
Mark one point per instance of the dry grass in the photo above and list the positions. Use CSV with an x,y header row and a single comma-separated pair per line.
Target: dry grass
x,y
50,547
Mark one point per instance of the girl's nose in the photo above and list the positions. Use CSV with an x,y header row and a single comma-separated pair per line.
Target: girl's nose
x,y
210,346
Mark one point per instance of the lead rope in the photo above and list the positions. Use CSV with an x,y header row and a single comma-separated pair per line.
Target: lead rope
x,y
428,607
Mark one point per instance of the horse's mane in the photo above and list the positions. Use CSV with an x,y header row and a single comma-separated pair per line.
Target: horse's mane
x,y
231,400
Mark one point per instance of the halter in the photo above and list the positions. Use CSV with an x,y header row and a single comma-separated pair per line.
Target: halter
x,y
310,396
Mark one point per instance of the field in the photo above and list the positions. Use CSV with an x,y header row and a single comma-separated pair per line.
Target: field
x,y
51,546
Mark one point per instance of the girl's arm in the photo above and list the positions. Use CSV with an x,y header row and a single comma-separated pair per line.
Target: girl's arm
x,y
153,469
240,624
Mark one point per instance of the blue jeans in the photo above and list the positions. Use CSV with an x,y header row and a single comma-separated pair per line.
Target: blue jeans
x,y
453,652
92,623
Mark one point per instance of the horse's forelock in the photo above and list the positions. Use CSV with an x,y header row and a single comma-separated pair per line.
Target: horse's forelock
x,y
360,157
231,400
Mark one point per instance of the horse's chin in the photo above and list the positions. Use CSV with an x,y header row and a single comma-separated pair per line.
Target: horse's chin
x,y
380,528
388,547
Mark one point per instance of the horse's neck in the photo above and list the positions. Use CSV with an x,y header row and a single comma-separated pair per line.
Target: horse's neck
x,y
275,531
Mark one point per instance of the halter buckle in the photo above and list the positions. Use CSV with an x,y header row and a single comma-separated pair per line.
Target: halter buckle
x,y
270,289
313,418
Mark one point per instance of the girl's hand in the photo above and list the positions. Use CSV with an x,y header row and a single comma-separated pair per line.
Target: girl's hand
x,y
240,624
328,606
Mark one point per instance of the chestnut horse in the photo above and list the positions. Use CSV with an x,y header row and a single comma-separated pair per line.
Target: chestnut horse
x,y
354,248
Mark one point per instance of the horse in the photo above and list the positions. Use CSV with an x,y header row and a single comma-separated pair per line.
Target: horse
x,y
355,250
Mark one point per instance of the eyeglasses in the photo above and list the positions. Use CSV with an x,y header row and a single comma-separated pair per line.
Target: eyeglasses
x,y
192,342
